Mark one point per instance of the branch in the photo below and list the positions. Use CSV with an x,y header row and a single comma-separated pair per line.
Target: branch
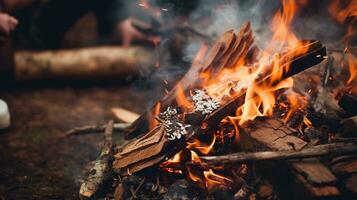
x,y
83,130
315,151
100,172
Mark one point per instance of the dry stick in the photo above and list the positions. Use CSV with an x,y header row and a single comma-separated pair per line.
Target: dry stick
x,y
83,130
315,151
101,169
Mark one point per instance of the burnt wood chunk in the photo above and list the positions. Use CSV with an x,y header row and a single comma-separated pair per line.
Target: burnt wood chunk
x,y
314,172
272,134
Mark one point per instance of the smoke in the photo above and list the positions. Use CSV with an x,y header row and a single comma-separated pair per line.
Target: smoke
x,y
212,18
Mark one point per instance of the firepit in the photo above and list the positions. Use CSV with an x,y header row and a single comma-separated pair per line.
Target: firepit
x,y
242,123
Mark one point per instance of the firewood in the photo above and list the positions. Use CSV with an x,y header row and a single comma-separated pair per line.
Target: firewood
x,y
86,63
256,136
315,54
141,153
315,151
101,169
124,115
203,63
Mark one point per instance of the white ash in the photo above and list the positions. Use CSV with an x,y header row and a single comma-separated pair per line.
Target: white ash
x,y
203,103
174,127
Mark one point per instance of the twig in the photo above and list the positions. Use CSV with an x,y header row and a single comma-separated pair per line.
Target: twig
x,y
137,189
101,169
83,130
316,151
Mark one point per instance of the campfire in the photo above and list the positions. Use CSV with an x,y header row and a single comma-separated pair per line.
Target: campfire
x,y
241,123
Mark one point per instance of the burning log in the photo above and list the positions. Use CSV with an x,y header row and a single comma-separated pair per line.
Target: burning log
x,y
86,63
101,169
315,151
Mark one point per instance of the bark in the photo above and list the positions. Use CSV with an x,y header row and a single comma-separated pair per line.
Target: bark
x,y
86,63
341,148
101,169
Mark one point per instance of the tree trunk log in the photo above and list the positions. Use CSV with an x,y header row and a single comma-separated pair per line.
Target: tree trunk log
x,y
86,63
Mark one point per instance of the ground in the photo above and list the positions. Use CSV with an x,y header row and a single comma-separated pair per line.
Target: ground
x,y
36,161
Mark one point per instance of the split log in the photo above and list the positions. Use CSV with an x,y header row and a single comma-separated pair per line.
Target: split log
x,y
341,148
85,63
141,153
101,169
273,134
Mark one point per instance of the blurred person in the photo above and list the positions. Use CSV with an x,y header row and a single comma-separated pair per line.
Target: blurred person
x,y
53,18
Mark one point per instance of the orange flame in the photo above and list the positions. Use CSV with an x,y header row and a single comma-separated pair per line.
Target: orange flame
x,y
352,65
296,102
152,116
203,149
213,179
181,99
341,10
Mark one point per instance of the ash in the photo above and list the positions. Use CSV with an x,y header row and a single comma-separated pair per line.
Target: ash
x,y
204,104
174,127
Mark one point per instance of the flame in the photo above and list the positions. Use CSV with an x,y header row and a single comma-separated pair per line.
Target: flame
x,y
175,159
212,179
307,122
340,10
203,149
152,116
259,94
352,66
181,99
257,85
281,25
296,102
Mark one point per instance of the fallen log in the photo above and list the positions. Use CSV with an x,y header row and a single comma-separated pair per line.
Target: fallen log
x,y
100,172
341,148
85,63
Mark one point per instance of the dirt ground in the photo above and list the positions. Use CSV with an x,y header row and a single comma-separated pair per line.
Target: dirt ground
x,y
36,161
